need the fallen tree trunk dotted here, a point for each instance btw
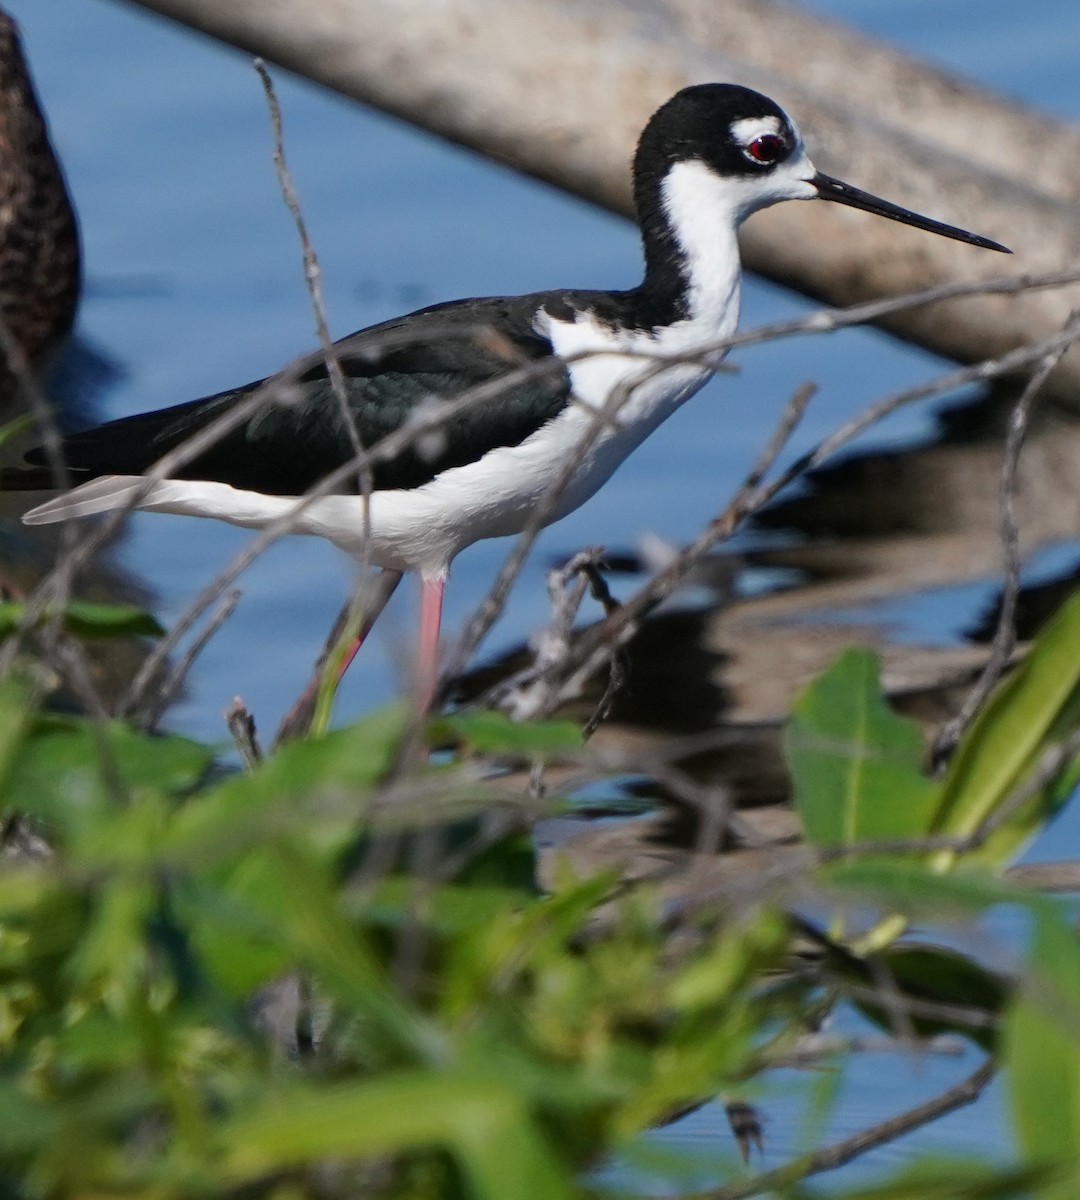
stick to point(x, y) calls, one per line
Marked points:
point(560, 89)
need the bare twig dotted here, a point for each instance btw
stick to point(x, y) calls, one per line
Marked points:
point(752, 499)
point(828, 320)
point(54, 588)
point(528, 692)
point(426, 422)
point(313, 280)
point(31, 392)
point(829, 1158)
point(589, 568)
point(242, 727)
point(894, 1002)
point(1046, 877)
point(578, 669)
point(488, 611)
point(815, 1047)
point(167, 690)
point(67, 656)
point(431, 419)
point(1004, 640)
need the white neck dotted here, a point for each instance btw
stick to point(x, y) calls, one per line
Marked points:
point(704, 212)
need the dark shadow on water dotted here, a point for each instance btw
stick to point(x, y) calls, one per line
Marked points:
point(875, 529)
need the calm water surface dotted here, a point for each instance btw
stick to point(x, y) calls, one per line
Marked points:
point(194, 284)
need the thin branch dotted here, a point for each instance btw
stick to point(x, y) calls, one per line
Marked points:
point(1004, 640)
point(167, 690)
point(491, 607)
point(577, 671)
point(241, 725)
point(829, 1158)
point(910, 1008)
point(828, 320)
point(813, 1048)
point(313, 280)
point(566, 588)
point(279, 388)
point(1045, 877)
point(429, 420)
point(750, 501)
point(425, 422)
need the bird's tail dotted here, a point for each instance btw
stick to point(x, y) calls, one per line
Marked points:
point(98, 496)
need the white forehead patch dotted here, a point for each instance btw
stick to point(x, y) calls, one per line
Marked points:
point(748, 129)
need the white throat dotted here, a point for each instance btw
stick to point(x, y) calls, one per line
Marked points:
point(704, 212)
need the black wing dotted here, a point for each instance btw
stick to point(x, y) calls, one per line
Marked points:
point(284, 448)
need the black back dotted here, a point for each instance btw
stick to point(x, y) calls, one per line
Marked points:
point(299, 436)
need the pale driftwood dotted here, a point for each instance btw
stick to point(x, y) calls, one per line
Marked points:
point(560, 88)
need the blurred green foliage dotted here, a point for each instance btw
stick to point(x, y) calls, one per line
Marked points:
point(331, 977)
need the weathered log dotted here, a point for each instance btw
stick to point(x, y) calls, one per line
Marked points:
point(560, 89)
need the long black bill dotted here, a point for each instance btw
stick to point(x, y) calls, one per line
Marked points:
point(843, 193)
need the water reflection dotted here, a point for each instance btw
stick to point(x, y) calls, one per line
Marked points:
point(863, 543)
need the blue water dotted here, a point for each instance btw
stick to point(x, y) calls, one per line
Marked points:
point(194, 283)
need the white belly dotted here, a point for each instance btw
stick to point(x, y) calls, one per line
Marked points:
point(498, 496)
point(423, 528)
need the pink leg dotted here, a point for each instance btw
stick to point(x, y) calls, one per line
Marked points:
point(427, 657)
point(352, 652)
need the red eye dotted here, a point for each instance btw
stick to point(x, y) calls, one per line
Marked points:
point(768, 149)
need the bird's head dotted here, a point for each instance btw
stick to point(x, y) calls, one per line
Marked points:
point(732, 149)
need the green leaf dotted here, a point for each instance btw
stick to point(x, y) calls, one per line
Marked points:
point(321, 937)
point(15, 427)
point(916, 889)
point(856, 765)
point(26, 1122)
point(1042, 1048)
point(111, 958)
point(483, 1124)
point(937, 975)
point(493, 733)
point(18, 709)
point(232, 926)
point(330, 775)
point(509, 863)
point(1036, 705)
point(87, 620)
point(71, 771)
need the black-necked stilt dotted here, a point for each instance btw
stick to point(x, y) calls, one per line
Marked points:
point(708, 158)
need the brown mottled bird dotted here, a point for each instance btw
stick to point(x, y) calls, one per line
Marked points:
point(39, 237)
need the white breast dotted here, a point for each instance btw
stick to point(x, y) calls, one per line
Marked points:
point(426, 527)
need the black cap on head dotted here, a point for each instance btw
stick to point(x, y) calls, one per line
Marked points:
point(697, 123)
